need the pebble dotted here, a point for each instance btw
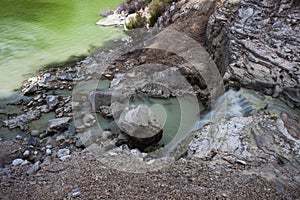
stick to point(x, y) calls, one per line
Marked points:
point(60, 138)
point(34, 168)
point(35, 133)
point(48, 152)
point(63, 152)
point(17, 162)
point(75, 193)
point(26, 162)
point(65, 158)
point(18, 137)
point(47, 161)
point(26, 154)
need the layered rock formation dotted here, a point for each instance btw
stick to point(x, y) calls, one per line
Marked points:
point(256, 43)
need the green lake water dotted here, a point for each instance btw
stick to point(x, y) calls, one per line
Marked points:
point(34, 33)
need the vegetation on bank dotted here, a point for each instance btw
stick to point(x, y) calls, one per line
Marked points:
point(155, 9)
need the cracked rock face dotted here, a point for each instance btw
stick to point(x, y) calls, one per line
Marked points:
point(270, 143)
point(256, 43)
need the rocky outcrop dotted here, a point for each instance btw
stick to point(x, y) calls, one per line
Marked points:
point(256, 44)
point(153, 80)
point(142, 126)
point(268, 142)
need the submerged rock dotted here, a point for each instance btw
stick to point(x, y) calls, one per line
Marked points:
point(21, 120)
point(142, 126)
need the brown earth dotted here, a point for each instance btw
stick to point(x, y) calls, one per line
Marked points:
point(184, 179)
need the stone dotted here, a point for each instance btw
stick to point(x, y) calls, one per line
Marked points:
point(100, 97)
point(34, 168)
point(30, 90)
point(63, 152)
point(26, 154)
point(267, 64)
point(88, 120)
point(233, 136)
point(59, 124)
point(65, 158)
point(107, 135)
point(141, 125)
point(48, 152)
point(112, 20)
point(65, 77)
point(75, 193)
point(47, 161)
point(21, 120)
point(17, 162)
point(26, 162)
point(52, 101)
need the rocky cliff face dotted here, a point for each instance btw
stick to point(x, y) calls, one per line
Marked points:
point(256, 43)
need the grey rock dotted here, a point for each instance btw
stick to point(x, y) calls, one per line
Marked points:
point(100, 97)
point(17, 162)
point(142, 126)
point(21, 120)
point(30, 90)
point(65, 77)
point(26, 162)
point(48, 152)
point(268, 64)
point(58, 125)
point(52, 101)
point(88, 120)
point(34, 168)
point(65, 158)
point(47, 161)
point(26, 154)
point(255, 138)
point(75, 193)
point(63, 152)
point(107, 135)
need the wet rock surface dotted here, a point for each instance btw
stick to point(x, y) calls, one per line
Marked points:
point(256, 43)
point(142, 126)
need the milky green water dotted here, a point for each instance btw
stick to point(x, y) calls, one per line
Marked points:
point(34, 33)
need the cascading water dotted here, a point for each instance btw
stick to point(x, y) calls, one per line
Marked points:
point(232, 104)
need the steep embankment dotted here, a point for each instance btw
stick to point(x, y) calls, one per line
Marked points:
point(256, 43)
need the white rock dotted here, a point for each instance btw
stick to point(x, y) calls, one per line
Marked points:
point(65, 158)
point(48, 152)
point(34, 168)
point(17, 162)
point(26, 162)
point(63, 152)
point(26, 154)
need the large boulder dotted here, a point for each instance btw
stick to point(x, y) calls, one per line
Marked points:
point(141, 125)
